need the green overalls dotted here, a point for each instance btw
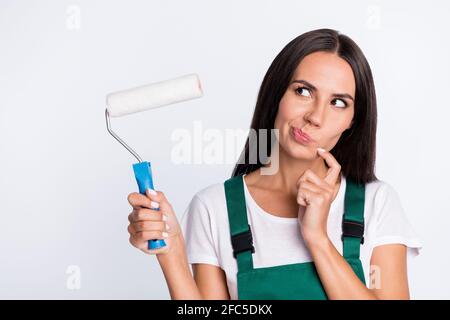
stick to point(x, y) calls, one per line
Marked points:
point(291, 281)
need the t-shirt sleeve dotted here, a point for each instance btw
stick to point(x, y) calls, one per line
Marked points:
point(392, 224)
point(197, 231)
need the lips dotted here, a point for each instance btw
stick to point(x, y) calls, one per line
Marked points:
point(298, 132)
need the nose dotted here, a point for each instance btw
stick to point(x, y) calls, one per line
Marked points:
point(316, 114)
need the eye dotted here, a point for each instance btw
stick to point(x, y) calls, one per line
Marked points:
point(339, 103)
point(303, 92)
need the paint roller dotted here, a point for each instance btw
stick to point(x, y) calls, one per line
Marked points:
point(143, 98)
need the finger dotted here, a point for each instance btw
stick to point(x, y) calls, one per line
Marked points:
point(131, 230)
point(301, 201)
point(335, 167)
point(149, 226)
point(149, 235)
point(143, 245)
point(160, 198)
point(155, 195)
point(310, 186)
point(145, 214)
point(310, 176)
point(306, 197)
point(138, 201)
point(133, 241)
point(134, 228)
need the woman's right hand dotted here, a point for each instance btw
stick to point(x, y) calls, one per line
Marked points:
point(148, 224)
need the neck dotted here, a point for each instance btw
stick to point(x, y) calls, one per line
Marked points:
point(291, 169)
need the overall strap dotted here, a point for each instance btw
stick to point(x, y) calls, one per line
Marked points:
point(241, 235)
point(353, 219)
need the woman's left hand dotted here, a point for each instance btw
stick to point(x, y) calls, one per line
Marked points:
point(317, 194)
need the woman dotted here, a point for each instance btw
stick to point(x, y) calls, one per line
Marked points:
point(322, 226)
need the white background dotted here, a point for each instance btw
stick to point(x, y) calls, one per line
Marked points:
point(64, 180)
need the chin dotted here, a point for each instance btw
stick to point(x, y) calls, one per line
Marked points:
point(298, 151)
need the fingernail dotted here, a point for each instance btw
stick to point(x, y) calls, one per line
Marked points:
point(321, 150)
point(151, 191)
point(164, 217)
point(167, 227)
point(154, 204)
point(165, 234)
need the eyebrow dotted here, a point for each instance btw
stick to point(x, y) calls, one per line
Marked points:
point(337, 95)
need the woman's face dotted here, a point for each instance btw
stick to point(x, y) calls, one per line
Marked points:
point(319, 101)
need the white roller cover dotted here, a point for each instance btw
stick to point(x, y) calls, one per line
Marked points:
point(154, 95)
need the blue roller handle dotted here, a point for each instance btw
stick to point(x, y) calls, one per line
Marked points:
point(143, 174)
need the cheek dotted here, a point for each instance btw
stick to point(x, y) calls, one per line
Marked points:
point(286, 113)
point(331, 137)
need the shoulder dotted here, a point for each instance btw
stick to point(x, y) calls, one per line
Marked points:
point(385, 210)
point(387, 220)
point(209, 200)
point(380, 192)
point(211, 194)
point(207, 208)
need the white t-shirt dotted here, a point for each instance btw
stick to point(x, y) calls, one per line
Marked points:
point(278, 240)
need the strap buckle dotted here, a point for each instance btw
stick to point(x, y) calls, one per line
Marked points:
point(353, 229)
point(242, 242)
